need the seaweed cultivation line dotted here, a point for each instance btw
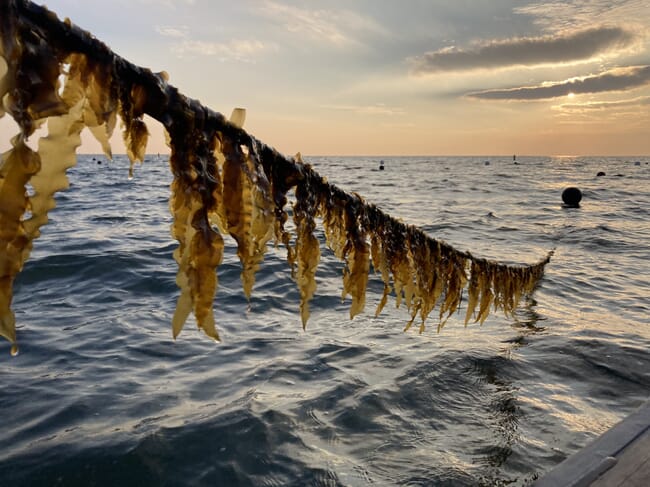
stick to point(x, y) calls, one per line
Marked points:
point(225, 182)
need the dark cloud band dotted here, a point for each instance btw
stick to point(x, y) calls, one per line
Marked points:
point(526, 51)
point(618, 79)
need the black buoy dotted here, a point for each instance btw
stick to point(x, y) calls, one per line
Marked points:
point(487, 163)
point(571, 197)
point(600, 173)
point(637, 163)
point(381, 165)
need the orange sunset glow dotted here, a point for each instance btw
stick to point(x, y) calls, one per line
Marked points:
point(392, 78)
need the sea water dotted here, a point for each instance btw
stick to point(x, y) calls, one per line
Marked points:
point(101, 395)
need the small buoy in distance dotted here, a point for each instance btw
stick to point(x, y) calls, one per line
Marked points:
point(571, 197)
point(381, 165)
point(600, 173)
point(637, 163)
point(487, 163)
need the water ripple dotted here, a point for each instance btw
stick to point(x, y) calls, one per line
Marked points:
point(102, 395)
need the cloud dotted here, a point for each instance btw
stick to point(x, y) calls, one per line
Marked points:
point(640, 101)
point(377, 109)
point(559, 15)
point(617, 79)
point(172, 4)
point(337, 27)
point(171, 31)
point(526, 51)
point(235, 50)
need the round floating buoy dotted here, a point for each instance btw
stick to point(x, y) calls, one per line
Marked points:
point(601, 173)
point(381, 165)
point(487, 163)
point(571, 197)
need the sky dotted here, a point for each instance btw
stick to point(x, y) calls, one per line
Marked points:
point(400, 77)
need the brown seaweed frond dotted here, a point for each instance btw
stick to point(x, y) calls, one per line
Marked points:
point(378, 252)
point(17, 167)
point(197, 195)
point(345, 232)
point(225, 181)
point(307, 247)
point(248, 207)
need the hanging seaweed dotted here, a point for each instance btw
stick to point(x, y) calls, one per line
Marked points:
point(225, 182)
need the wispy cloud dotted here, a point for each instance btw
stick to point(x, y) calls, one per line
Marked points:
point(638, 102)
point(172, 4)
point(618, 79)
point(377, 109)
point(241, 50)
point(176, 32)
point(559, 15)
point(526, 51)
point(234, 50)
point(337, 27)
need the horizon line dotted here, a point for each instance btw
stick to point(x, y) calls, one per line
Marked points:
point(408, 155)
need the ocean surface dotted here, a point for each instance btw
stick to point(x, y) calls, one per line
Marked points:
point(101, 395)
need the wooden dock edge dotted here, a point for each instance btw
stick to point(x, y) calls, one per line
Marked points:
point(625, 444)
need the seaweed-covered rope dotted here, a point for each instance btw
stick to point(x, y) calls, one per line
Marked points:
point(225, 181)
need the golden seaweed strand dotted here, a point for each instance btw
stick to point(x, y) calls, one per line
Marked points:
point(27, 93)
point(307, 246)
point(357, 254)
point(16, 168)
point(196, 193)
point(376, 229)
point(282, 177)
